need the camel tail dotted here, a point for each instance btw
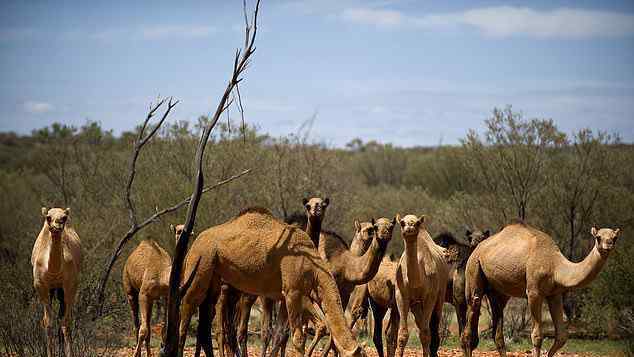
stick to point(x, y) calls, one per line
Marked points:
point(190, 279)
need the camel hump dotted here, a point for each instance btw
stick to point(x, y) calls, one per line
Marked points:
point(255, 209)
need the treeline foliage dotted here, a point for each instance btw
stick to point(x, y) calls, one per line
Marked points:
point(560, 182)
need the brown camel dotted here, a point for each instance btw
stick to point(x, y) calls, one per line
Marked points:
point(260, 255)
point(315, 212)
point(521, 261)
point(56, 260)
point(146, 275)
point(458, 253)
point(421, 281)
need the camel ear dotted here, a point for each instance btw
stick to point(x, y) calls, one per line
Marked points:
point(67, 211)
point(422, 219)
point(326, 202)
point(593, 231)
point(304, 201)
point(44, 211)
point(617, 231)
point(172, 228)
point(468, 233)
point(398, 218)
point(357, 226)
point(394, 220)
point(373, 221)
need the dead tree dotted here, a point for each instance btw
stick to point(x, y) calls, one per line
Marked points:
point(240, 64)
point(135, 224)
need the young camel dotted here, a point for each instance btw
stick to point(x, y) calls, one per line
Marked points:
point(260, 255)
point(459, 252)
point(421, 281)
point(146, 275)
point(56, 260)
point(521, 261)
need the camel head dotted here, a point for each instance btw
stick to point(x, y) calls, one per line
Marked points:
point(177, 230)
point(55, 219)
point(410, 224)
point(384, 227)
point(476, 237)
point(605, 238)
point(364, 231)
point(315, 208)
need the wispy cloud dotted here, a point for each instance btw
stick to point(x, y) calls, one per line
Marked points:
point(506, 21)
point(35, 107)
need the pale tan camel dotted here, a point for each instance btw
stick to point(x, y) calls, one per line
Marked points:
point(521, 261)
point(421, 281)
point(146, 275)
point(458, 252)
point(56, 260)
point(260, 255)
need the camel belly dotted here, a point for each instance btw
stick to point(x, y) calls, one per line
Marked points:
point(255, 278)
point(506, 274)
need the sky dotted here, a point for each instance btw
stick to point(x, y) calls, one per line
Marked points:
point(407, 72)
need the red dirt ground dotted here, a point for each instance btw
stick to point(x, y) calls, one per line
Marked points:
point(371, 352)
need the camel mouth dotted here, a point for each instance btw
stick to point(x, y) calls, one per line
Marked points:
point(54, 229)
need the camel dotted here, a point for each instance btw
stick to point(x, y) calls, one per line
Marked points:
point(379, 293)
point(356, 265)
point(56, 260)
point(521, 261)
point(421, 281)
point(260, 255)
point(315, 212)
point(459, 252)
point(146, 275)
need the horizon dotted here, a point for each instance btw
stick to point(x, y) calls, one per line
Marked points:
point(399, 72)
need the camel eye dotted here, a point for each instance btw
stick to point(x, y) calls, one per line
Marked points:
point(48, 219)
point(307, 207)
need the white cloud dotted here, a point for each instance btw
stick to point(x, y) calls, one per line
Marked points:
point(33, 107)
point(505, 21)
point(180, 31)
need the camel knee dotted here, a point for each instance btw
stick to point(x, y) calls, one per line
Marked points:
point(537, 338)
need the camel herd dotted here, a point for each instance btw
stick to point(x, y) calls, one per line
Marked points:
point(313, 277)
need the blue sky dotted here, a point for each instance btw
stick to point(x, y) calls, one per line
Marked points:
point(407, 72)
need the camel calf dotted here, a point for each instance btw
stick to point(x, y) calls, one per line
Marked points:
point(56, 260)
point(146, 277)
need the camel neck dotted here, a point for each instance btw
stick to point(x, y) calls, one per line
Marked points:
point(577, 275)
point(359, 245)
point(414, 270)
point(55, 254)
point(360, 269)
point(313, 228)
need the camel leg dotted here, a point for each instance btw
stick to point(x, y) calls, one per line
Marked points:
point(295, 316)
point(391, 331)
point(461, 316)
point(187, 310)
point(206, 314)
point(66, 302)
point(434, 326)
point(378, 312)
point(422, 316)
point(281, 331)
point(265, 323)
point(535, 305)
point(133, 301)
point(246, 303)
point(555, 305)
point(45, 299)
point(320, 331)
point(402, 303)
point(145, 304)
point(498, 302)
point(475, 293)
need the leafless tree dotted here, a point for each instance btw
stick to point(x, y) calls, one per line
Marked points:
point(240, 64)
